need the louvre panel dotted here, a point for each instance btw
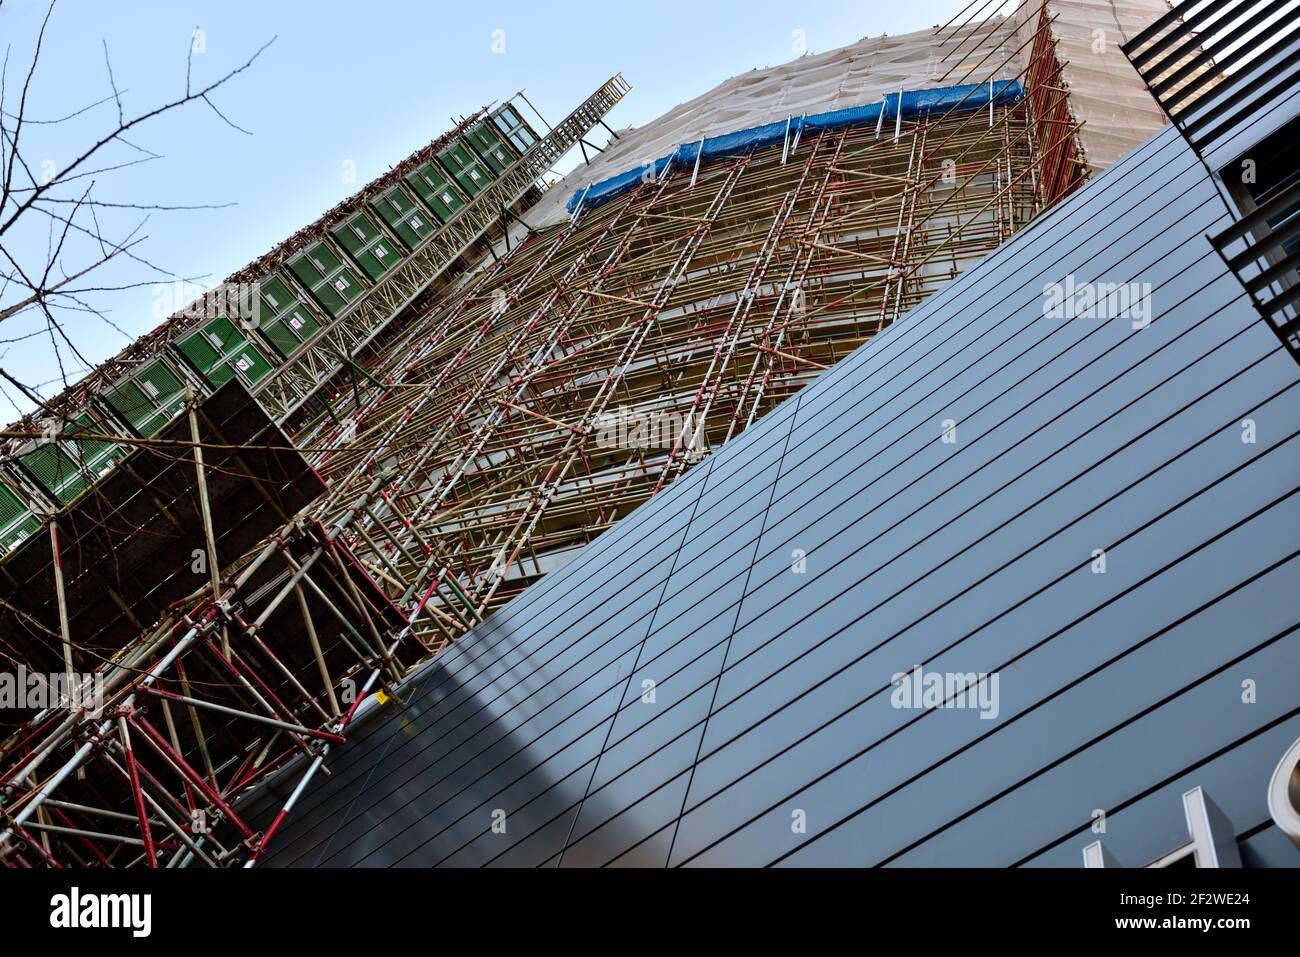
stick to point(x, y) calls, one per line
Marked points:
point(288, 332)
point(431, 185)
point(96, 454)
point(468, 171)
point(332, 283)
point(220, 350)
point(366, 244)
point(307, 272)
point(149, 400)
point(165, 383)
point(488, 144)
point(55, 471)
point(164, 414)
point(200, 352)
point(249, 362)
point(285, 320)
point(514, 128)
point(130, 401)
point(412, 223)
point(67, 466)
point(16, 520)
point(284, 341)
point(277, 298)
point(219, 375)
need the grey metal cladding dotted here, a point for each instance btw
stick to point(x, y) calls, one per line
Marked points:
point(682, 694)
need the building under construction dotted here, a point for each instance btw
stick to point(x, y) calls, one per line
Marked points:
point(251, 529)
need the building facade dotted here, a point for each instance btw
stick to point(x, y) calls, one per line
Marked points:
point(861, 475)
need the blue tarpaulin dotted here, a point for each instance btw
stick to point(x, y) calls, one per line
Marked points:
point(960, 99)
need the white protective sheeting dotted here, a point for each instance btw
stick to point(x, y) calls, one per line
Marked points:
point(1105, 91)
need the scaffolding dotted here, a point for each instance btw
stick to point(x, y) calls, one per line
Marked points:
point(443, 463)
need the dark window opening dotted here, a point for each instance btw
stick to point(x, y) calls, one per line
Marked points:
point(1266, 172)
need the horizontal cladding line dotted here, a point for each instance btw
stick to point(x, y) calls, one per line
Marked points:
point(1093, 510)
point(675, 778)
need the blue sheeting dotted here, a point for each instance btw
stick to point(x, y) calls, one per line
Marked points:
point(961, 99)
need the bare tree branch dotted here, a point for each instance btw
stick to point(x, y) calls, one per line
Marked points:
point(77, 243)
point(62, 119)
point(117, 97)
point(22, 100)
point(99, 144)
point(223, 116)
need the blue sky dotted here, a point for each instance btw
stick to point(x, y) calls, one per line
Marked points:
point(366, 82)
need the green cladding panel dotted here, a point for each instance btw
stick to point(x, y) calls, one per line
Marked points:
point(404, 216)
point(68, 466)
point(285, 320)
point(430, 184)
point(366, 243)
point(489, 144)
point(16, 521)
point(513, 127)
point(330, 281)
point(468, 171)
point(149, 399)
point(220, 351)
